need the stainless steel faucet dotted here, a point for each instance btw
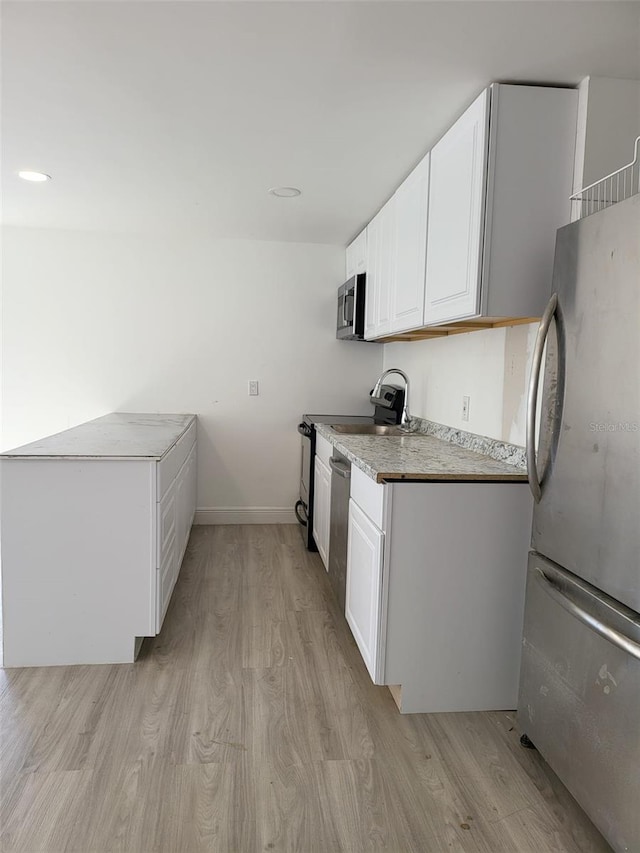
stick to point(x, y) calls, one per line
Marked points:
point(405, 420)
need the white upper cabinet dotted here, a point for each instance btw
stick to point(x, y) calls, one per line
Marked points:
point(411, 204)
point(356, 256)
point(456, 215)
point(499, 189)
point(386, 279)
point(373, 275)
point(381, 244)
point(471, 232)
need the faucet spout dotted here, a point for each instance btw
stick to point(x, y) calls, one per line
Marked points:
point(405, 419)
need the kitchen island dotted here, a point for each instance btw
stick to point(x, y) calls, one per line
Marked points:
point(438, 536)
point(95, 522)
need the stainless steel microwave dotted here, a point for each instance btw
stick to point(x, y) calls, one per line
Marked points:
point(351, 308)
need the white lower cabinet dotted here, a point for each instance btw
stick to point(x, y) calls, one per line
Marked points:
point(435, 590)
point(322, 509)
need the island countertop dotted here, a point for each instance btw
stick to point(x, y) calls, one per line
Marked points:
point(419, 457)
point(119, 435)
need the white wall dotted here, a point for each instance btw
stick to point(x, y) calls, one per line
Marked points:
point(609, 123)
point(491, 367)
point(98, 323)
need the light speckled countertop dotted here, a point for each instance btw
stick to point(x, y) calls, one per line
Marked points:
point(420, 456)
point(119, 435)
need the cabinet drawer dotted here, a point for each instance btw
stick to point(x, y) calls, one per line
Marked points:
point(370, 496)
point(324, 449)
point(166, 513)
point(173, 460)
point(166, 575)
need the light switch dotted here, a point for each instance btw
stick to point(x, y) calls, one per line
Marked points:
point(253, 388)
point(465, 408)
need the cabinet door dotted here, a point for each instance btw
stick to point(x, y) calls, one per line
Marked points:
point(411, 203)
point(381, 247)
point(373, 275)
point(456, 217)
point(387, 268)
point(350, 262)
point(356, 255)
point(363, 608)
point(360, 252)
point(322, 509)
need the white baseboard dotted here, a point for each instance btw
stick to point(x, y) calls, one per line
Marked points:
point(245, 515)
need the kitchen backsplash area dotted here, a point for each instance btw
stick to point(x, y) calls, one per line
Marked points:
point(490, 367)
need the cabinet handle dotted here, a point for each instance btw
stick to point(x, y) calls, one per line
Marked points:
point(532, 398)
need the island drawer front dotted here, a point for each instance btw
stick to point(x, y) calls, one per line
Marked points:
point(172, 462)
point(166, 524)
point(166, 579)
point(369, 495)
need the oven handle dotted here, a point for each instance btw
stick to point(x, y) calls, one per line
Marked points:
point(300, 505)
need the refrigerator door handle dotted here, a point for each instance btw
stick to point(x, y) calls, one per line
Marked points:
point(616, 637)
point(532, 397)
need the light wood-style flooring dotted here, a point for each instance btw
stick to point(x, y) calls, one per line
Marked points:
point(251, 724)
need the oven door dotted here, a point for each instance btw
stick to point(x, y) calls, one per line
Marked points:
point(302, 508)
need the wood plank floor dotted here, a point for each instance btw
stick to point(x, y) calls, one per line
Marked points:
point(251, 724)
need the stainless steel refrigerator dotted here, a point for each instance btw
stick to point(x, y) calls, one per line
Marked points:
point(579, 697)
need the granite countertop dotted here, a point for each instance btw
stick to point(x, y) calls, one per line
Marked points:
point(422, 455)
point(119, 435)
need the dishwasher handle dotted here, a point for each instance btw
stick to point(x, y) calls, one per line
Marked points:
point(340, 468)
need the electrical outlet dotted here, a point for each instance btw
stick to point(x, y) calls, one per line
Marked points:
point(253, 388)
point(465, 408)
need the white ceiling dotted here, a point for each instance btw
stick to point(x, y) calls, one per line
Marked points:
point(178, 116)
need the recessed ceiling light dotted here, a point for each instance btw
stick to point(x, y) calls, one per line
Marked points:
point(285, 192)
point(36, 177)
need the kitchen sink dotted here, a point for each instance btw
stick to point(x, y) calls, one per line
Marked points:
point(369, 429)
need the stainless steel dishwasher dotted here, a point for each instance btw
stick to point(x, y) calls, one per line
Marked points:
point(340, 485)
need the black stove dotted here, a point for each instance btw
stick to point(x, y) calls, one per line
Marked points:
point(307, 429)
point(388, 409)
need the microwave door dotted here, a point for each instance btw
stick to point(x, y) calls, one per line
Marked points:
point(344, 326)
point(348, 308)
